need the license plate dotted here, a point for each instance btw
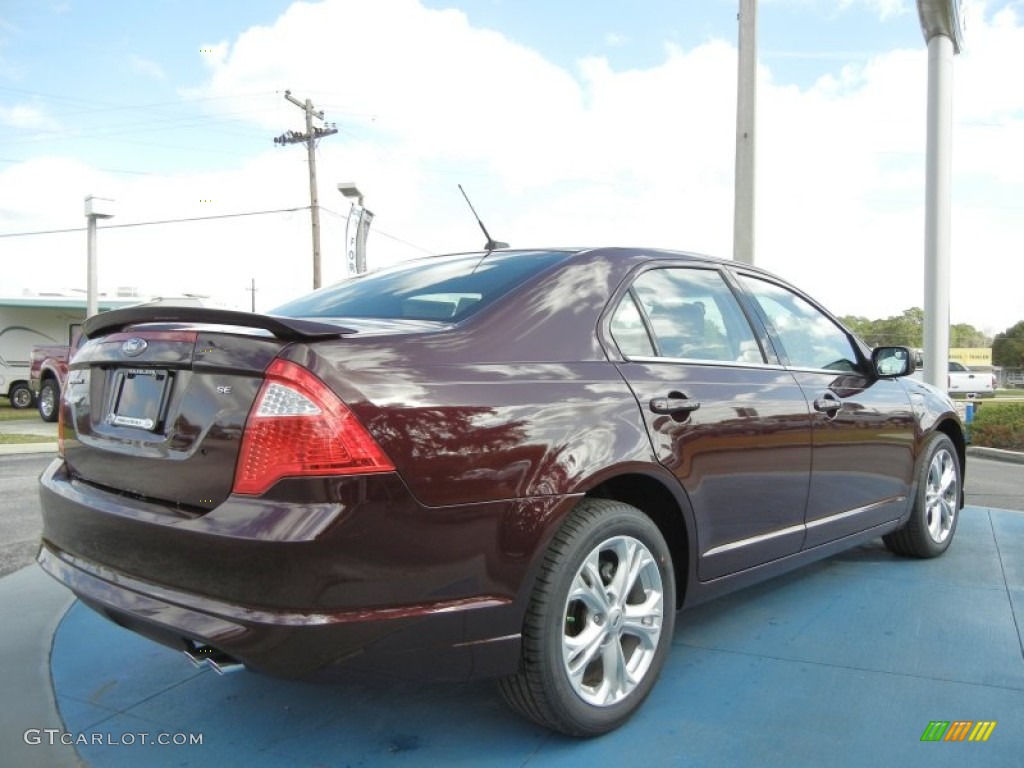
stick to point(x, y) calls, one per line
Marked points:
point(139, 396)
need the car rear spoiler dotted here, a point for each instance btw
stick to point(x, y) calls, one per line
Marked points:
point(285, 328)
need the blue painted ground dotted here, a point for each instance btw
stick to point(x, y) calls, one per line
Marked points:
point(843, 663)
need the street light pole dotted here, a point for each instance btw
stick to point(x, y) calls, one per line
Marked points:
point(95, 208)
point(940, 25)
point(746, 122)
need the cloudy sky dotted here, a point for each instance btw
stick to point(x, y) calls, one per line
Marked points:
point(575, 122)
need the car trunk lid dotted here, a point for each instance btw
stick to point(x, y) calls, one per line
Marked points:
point(168, 391)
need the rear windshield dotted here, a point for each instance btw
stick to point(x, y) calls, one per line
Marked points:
point(448, 288)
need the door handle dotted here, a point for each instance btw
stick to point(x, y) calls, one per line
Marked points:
point(671, 405)
point(827, 403)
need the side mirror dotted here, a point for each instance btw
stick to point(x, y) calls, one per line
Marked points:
point(892, 361)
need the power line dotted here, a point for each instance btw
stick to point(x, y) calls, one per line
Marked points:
point(95, 106)
point(207, 218)
point(381, 232)
point(105, 170)
point(151, 223)
point(169, 119)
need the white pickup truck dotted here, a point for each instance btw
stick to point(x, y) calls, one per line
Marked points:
point(965, 382)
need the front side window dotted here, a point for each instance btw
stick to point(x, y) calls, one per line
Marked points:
point(692, 314)
point(809, 337)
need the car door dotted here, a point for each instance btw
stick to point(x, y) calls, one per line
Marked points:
point(724, 417)
point(862, 427)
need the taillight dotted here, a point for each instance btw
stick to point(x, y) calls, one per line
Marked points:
point(299, 427)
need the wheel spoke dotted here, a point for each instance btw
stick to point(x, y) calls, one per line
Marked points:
point(587, 586)
point(617, 679)
point(639, 562)
point(948, 511)
point(581, 650)
point(644, 621)
point(948, 480)
point(626, 551)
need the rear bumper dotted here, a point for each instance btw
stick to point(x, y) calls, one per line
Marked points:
point(363, 576)
point(417, 642)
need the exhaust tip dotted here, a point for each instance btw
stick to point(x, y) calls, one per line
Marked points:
point(205, 656)
point(194, 660)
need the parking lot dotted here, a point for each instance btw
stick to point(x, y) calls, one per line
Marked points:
point(845, 662)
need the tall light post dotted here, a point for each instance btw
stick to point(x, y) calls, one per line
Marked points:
point(940, 25)
point(746, 123)
point(355, 233)
point(95, 208)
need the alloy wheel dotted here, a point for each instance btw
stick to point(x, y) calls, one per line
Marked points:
point(941, 495)
point(613, 620)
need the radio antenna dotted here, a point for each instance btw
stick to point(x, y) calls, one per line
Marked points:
point(492, 244)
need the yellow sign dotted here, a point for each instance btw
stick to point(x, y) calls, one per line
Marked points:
point(970, 356)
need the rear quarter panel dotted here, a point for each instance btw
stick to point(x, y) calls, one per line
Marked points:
point(518, 401)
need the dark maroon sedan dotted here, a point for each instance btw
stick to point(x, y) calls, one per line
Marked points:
point(512, 464)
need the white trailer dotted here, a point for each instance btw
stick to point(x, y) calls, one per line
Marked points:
point(27, 321)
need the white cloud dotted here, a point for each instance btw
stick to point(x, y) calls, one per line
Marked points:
point(147, 67)
point(214, 55)
point(25, 116)
point(884, 8)
point(552, 156)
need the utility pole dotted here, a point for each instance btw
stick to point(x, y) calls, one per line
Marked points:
point(309, 139)
point(746, 123)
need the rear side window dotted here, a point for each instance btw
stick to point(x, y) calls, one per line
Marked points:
point(447, 288)
point(692, 314)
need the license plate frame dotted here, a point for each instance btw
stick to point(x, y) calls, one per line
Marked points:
point(139, 398)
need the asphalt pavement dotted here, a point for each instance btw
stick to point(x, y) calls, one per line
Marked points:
point(20, 521)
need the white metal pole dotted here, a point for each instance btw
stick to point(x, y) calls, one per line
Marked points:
point(746, 121)
point(938, 189)
point(92, 297)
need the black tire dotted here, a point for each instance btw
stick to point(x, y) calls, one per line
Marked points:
point(49, 401)
point(20, 396)
point(936, 507)
point(567, 613)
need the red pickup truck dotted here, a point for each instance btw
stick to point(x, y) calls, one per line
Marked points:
point(49, 365)
point(47, 373)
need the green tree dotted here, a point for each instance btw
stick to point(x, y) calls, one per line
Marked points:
point(904, 330)
point(907, 330)
point(1008, 347)
point(859, 325)
point(966, 335)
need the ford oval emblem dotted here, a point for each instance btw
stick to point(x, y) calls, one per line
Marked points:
point(134, 347)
